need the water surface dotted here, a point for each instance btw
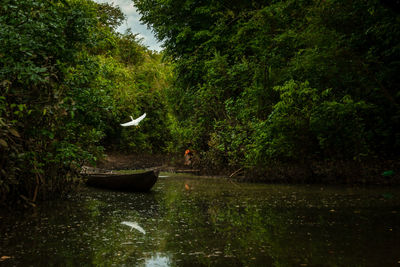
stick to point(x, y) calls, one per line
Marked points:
point(194, 221)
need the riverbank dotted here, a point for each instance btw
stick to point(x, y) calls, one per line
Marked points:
point(121, 161)
point(372, 172)
point(378, 172)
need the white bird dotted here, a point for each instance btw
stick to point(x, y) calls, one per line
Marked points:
point(134, 121)
point(134, 225)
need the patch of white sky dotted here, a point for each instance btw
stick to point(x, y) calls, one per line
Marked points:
point(133, 22)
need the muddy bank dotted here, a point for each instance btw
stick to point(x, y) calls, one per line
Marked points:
point(118, 161)
point(372, 172)
point(383, 172)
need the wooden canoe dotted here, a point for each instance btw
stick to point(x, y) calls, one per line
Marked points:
point(138, 182)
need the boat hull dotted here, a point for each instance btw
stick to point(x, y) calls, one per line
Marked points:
point(136, 182)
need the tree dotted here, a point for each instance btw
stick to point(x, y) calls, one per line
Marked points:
point(60, 79)
point(232, 58)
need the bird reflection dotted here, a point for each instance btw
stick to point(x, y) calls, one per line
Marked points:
point(134, 225)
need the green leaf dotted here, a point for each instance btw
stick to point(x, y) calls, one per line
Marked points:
point(388, 173)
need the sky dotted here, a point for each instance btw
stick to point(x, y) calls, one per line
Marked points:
point(133, 22)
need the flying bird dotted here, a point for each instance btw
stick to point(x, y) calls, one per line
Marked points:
point(134, 225)
point(134, 122)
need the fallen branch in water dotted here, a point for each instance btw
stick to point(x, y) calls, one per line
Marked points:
point(236, 172)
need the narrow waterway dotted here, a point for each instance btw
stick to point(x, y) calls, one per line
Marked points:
point(195, 221)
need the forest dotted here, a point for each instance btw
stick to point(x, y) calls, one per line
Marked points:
point(279, 91)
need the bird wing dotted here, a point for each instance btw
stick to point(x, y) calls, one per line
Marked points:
point(136, 121)
point(128, 123)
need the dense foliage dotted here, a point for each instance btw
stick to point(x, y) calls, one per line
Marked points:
point(261, 82)
point(67, 79)
point(255, 84)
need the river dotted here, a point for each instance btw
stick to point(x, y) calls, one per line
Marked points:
point(197, 221)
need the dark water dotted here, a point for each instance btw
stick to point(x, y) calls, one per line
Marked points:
point(191, 221)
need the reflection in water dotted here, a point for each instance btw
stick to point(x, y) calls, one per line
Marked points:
point(157, 260)
point(134, 225)
point(200, 221)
